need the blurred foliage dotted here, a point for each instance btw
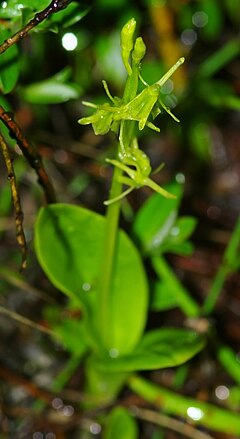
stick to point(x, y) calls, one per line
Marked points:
point(45, 94)
point(203, 31)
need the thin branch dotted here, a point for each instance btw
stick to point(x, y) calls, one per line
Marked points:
point(14, 278)
point(55, 6)
point(16, 201)
point(29, 153)
point(170, 423)
point(25, 321)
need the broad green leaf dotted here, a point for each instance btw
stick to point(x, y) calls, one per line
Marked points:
point(120, 425)
point(69, 243)
point(158, 349)
point(9, 64)
point(50, 92)
point(155, 219)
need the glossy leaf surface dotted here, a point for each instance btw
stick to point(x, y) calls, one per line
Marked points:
point(69, 243)
point(158, 349)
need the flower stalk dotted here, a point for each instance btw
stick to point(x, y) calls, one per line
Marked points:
point(135, 110)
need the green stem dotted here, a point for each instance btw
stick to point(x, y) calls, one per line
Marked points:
point(64, 376)
point(184, 300)
point(208, 415)
point(230, 263)
point(112, 217)
point(109, 258)
point(228, 358)
point(215, 290)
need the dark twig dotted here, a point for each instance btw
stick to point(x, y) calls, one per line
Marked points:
point(16, 201)
point(25, 321)
point(29, 153)
point(171, 423)
point(55, 6)
point(17, 280)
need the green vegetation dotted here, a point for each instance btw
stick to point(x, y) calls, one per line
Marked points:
point(126, 306)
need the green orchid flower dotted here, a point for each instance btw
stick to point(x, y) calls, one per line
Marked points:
point(120, 115)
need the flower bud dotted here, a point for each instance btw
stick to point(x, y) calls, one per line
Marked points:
point(127, 33)
point(139, 50)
